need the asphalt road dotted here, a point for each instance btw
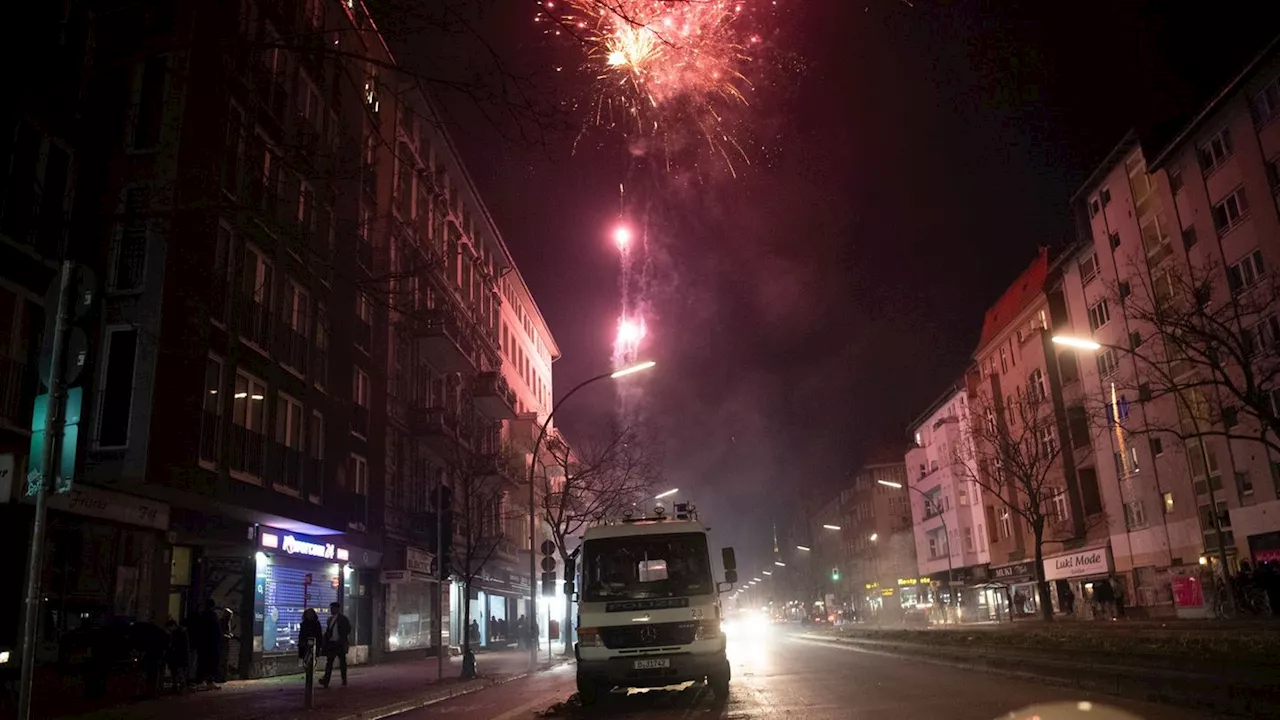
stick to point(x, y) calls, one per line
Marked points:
point(781, 676)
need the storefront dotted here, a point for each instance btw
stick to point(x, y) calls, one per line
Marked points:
point(293, 572)
point(499, 598)
point(413, 601)
point(1011, 587)
point(106, 562)
point(1075, 575)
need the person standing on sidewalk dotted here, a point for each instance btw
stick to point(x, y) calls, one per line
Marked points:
point(208, 641)
point(310, 630)
point(337, 638)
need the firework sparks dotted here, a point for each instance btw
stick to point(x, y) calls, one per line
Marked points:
point(663, 62)
point(631, 331)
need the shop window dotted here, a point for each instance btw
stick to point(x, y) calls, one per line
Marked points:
point(290, 587)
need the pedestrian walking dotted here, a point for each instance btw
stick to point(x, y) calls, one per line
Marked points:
point(337, 639)
point(310, 634)
point(208, 643)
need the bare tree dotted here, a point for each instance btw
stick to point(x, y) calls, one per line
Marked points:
point(1214, 350)
point(1013, 454)
point(597, 478)
point(479, 476)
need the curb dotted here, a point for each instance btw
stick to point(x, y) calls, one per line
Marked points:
point(1221, 694)
point(404, 706)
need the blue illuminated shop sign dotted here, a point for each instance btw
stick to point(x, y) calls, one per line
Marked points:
point(301, 545)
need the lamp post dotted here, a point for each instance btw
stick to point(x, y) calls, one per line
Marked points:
point(533, 520)
point(930, 504)
point(1090, 345)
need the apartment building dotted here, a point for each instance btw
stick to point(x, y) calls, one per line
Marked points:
point(880, 568)
point(946, 504)
point(299, 335)
point(1181, 232)
point(1030, 449)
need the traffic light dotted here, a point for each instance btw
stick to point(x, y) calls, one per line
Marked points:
point(835, 574)
point(443, 501)
point(548, 568)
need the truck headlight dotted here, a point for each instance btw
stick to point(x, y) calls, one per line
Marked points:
point(708, 630)
point(589, 637)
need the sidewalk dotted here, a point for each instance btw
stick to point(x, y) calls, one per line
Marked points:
point(374, 691)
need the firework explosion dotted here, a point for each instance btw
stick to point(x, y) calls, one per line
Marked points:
point(661, 64)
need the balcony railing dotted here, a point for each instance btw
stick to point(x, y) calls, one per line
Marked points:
point(255, 321)
point(360, 420)
point(494, 397)
point(210, 435)
point(446, 344)
point(247, 451)
point(357, 507)
point(294, 348)
point(443, 429)
point(285, 467)
point(313, 478)
point(13, 382)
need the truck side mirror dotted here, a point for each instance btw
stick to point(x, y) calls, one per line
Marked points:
point(731, 576)
point(726, 557)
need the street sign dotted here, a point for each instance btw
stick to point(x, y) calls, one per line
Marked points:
point(548, 564)
point(548, 584)
point(548, 547)
point(65, 464)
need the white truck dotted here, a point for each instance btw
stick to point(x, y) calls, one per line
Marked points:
point(649, 608)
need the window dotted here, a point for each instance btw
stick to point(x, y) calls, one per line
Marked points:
point(1060, 506)
point(256, 280)
point(1273, 174)
point(314, 473)
point(1231, 211)
point(295, 312)
point(221, 281)
point(1004, 360)
point(248, 425)
point(148, 104)
point(1175, 181)
point(1214, 152)
point(1266, 104)
point(360, 396)
point(1006, 524)
point(211, 412)
point(1035, 386)
point(1094, 207)
point(1264, 336)
point(358, 475)
point(321, 374)
point(1089, 268)
point(1108, 363)
point(129, 251)
point(1196, 457)
point(1134, 514)
point(968, 539)
point(1048, 441)
point(1155, 239)
point(1246, 273)
point(1090, 496)
point(1244, 484)
point(288, 422)
point(1099, 315)
point(364, 321)
point(1127, 462)
point(1168, 503)
point(115, 399)
point(1105, 196)
point(1139, 181)
point(1115, 240)
point(1157, 447)
point(233, 151)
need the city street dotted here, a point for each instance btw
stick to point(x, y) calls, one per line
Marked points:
point(782, 675)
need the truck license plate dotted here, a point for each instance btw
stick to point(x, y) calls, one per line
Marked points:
point(651, 663)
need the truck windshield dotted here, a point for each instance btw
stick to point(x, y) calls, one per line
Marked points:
point(646, 566)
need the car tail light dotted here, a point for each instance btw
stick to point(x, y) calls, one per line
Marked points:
point(708, 630)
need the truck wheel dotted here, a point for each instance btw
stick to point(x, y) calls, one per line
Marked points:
point(719, 683)
point(589, 692)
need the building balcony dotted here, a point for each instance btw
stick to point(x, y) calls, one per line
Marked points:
point(293, 348)
point(441, 429)
point(494, 397)
point(247, 451)
point(255, 321)
point(15, 405)
point(500, 468)
point(284, 468)
point(354, 509)
point(446, 344)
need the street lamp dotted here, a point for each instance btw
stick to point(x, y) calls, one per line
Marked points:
point(1093, 346)
point(874, 536)
point(533, 520)
point(831, 527)
point(802, 547)
point(670, 492)
point(765, 572)
point(931, 505)
point(779, 563)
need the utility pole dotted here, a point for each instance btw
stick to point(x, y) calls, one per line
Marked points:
point(40, 481)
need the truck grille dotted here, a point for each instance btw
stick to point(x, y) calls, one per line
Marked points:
point(649, 635)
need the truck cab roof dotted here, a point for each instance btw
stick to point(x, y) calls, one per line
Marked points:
point(648, 526)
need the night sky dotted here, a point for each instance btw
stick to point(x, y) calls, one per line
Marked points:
point(912, 159)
